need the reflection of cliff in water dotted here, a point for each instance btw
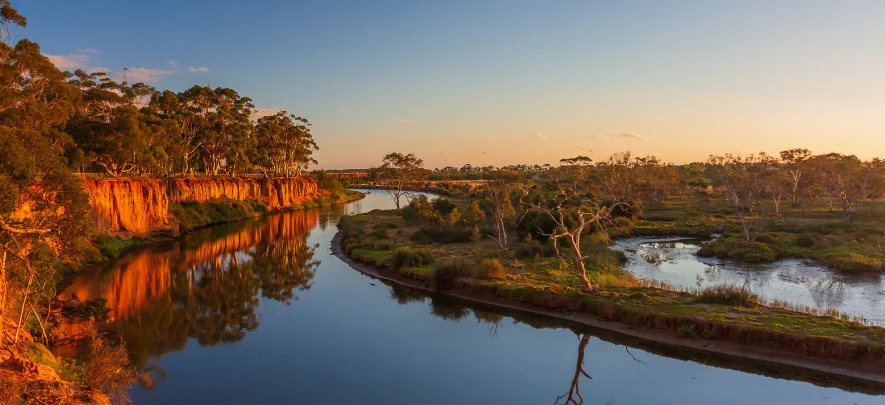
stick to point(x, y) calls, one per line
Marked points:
point(206, 286)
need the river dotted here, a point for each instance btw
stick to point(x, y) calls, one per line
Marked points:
point(261, 312)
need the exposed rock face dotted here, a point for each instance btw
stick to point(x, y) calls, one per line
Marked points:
point(141, 207)
point(133, 207)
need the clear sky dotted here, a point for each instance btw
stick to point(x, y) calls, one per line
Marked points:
point(502, 82)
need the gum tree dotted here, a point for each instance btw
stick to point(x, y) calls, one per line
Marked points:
point(566, 199)
point(399, 174)
point(43, 208)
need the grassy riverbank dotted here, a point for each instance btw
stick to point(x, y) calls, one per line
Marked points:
point(530, 273)
point(813, 232)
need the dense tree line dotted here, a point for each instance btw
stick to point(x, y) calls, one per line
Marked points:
point(122, 129)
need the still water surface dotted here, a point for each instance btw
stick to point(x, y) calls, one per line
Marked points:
point(800, 282)
point(261, 312)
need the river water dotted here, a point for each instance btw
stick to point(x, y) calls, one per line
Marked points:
point(799, 282)
point(261, 312)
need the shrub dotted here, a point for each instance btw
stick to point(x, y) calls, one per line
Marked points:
point(422, 237)
point(407, 257)
point(12, 389)
point(379, 234)
point(533, 249)
point(382, 246)
point(807, 239)
point(443, 205)
point(491, 268)
point(765, 238)
point(110, 372)
point(442, 235)
point(445, 274)
point(421, 211)
point(687, 331)
point(728, 295)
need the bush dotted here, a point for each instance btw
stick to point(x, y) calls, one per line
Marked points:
point(443, 206)
point(807, 239)
point(110, 372)
point(421, 211)
point(491, 268)
point(442, 235)
point(12, 389)
point(407, 257)
point(533, 249)
point(445, 274)
point(765, 238)
point(728, 295)
point(687, 331)
point(111, 246)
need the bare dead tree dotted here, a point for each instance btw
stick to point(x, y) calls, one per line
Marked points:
point(498, 202)
point(574, 212)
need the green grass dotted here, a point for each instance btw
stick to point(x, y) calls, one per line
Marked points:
point(111, 246)
point(551, 282)
point(194, 214)
point(67, 369)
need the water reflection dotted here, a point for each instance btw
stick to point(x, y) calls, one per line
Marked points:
point(205, 286)
point(274, 311)
point(675, 262)
point(573, 396)
point(455, 310)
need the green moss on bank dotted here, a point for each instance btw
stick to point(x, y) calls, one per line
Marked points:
point(839, 251)
point(194, 214)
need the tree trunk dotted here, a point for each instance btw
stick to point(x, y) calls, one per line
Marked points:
point(579, 265)
point(846, 212)
point(21, 317)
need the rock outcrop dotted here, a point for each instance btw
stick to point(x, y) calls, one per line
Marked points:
point(125, 207)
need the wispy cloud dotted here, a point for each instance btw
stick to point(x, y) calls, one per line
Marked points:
point(493, 138)
point(77, 60)
point(340, 108)
point(171, 62)
point(542, 137)
point(83, 59)
point(627, 135)
point(198, 69)
point(147, 75)
point(405, 121)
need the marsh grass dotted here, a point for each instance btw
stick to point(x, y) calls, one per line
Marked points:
point(445, 274)
point(728, 295)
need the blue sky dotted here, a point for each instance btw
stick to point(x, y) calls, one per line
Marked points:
point(500, 82)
